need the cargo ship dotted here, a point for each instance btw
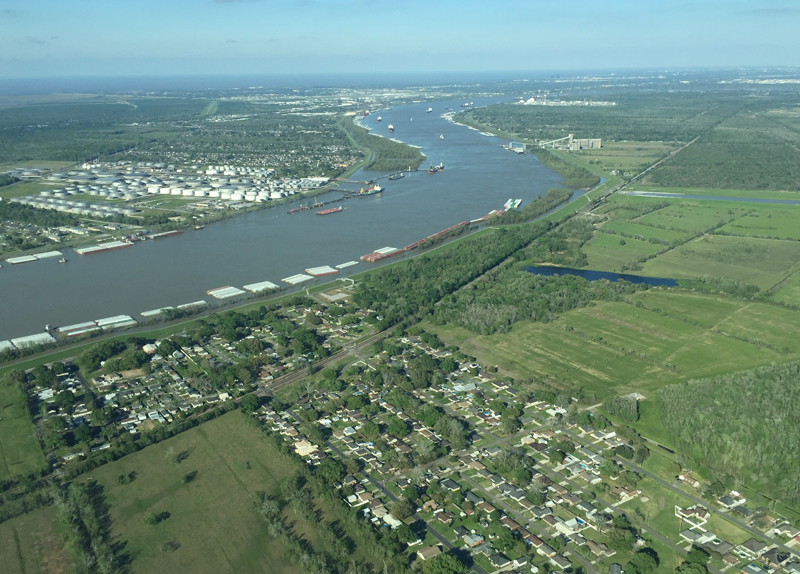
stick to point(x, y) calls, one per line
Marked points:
point(329, 211)
point(391, 128)
point(435, 168)
point(371, 190)
point(165, 234)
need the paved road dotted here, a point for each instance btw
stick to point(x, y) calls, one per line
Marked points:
point(725, 515)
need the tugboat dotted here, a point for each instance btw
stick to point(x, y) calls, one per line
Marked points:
point(391, 128)
point(379, 119)
point(62, 260)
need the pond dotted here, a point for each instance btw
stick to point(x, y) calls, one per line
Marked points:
point(589, 275)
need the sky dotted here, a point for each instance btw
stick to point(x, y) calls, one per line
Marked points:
point(86, 38)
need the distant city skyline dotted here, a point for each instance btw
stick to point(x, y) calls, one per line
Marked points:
point(80, 38)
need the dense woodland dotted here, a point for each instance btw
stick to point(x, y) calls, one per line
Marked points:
point(505, 296)
point(575, 176)
point(41, 217)
point(744, 425)
point(400, 292)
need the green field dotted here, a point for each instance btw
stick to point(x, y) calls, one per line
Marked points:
point(20, 452)
point(211, 517)
point(779, 222)
point(29, 544)
point(615, 348)
point(26, 188)
point(713, 191)
point(761, 262)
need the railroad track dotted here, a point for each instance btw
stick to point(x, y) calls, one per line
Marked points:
point(300, 374)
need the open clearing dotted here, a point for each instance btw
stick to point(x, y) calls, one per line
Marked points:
point(30, 545)
point(20, 452)
point(211, 516)
point(615, 348)
point(761, 262)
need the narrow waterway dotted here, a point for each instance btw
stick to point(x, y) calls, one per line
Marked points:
point(479, 176)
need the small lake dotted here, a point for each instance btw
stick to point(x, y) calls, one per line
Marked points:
point(550, 271)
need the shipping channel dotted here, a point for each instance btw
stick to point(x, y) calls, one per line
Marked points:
point(270, 245)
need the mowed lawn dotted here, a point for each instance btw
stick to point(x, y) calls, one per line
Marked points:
point(615, 348)
point(211, 517)
point(30, 545)
point(20, 452)
point(760, 262)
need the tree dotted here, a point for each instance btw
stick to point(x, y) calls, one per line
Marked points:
point(556, 456)
point(643, 562)
point(402, 509)
point(83, 434)
point(444, 563)
point(249, 403)
point(370, 430)
point(698, 555)
point(504, 541)
point(330, 470)
point(397, 427)
point(621, 540)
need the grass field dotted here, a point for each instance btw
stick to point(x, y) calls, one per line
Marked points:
point(713, 191)
point(614, 348)
point(29, 544)
point(20, 452)
point(788, 291)
point(777, 221)
point(761, 262)
point(211, 517)
point(26, 188)
point(630, 157)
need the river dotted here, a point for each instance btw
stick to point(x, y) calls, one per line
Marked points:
point(269, 245)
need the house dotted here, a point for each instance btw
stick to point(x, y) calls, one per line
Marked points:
point(430, 505)
point(688, 480)
point(695, 511)
point(786, 529)
point(473, 540)
point(445, 517)
point(726, 501)
point(484, 548)
point(546, 551)
point(508, 523)
point(775, 558)
point(461, 532)
point(549, 520)
point(560, 562)
point(429, 552)
point(752, 548)
point(469, 496)
point(499, 560)
point(752, 569)
point(485, 507)
point(535, 541)
point(450, 485)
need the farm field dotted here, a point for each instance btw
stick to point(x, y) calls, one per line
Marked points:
point(761, 262)
point(20, 452)
point(606, 252)
point(616, 348)
point(29, 544)
point(211, 516)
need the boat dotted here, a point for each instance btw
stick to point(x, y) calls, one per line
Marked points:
point(435, 168)
point(370, 190)
point(199, 227)
point(396, 176)
point(62, 260)
point(441, 137)
point(391, 128)
point(379, 119)
point(429, 110)
point(329, 211)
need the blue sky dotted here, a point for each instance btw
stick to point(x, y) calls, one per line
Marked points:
point(42, 38)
